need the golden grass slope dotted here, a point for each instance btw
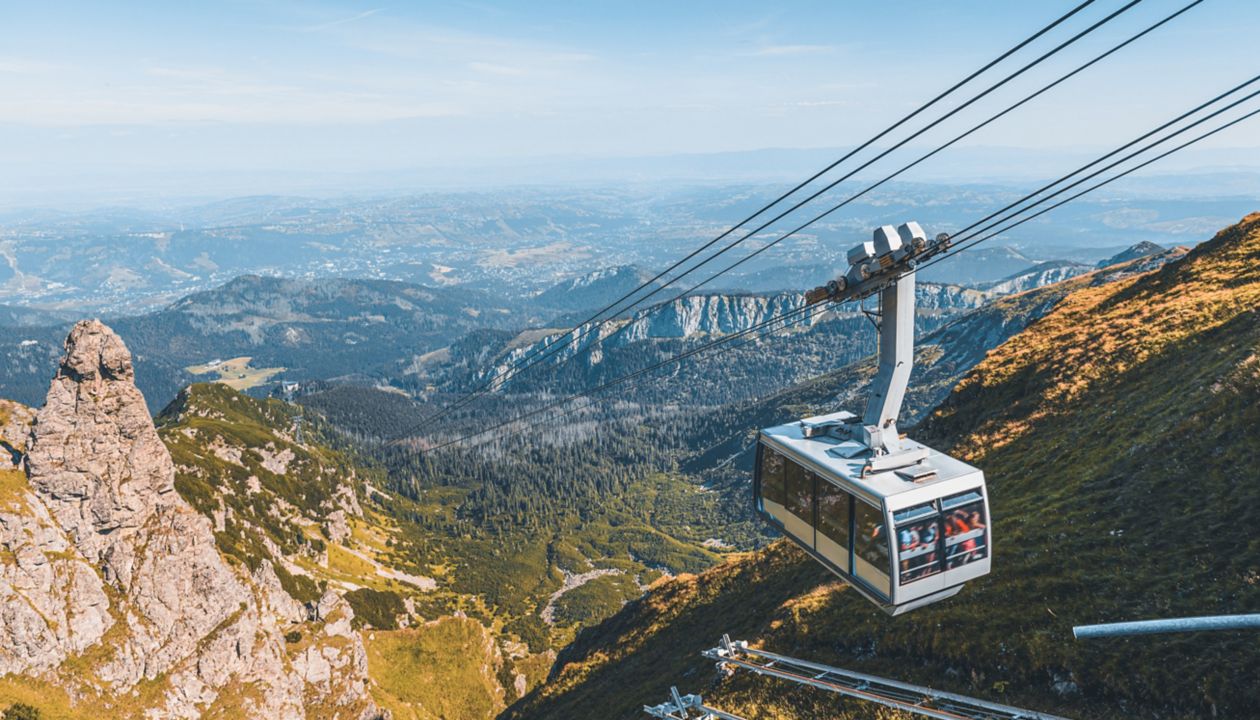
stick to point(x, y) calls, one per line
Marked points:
point(441, 670)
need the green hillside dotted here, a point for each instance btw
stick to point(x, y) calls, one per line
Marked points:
point(523, 552)
point(321, 517)
point(1120, 435)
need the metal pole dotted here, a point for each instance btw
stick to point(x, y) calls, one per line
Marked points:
point(1174, 625)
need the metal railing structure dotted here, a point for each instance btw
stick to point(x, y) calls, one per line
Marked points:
point(686, 707)
point(924, 701)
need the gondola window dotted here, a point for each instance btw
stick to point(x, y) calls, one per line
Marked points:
point(871, 545)
point(833, 524)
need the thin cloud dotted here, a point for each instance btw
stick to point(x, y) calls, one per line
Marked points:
point(820, 103)
point(342, 21)
point(571, 57)
point(791, 50)
point(294, 110)
point(497, 69)
point(17, 66)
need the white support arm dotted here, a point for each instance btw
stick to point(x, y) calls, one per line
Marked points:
point(896, 358)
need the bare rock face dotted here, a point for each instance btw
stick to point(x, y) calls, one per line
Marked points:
point(100, 519)
point(52, 601)
point(96, 461)
point(336, 526)
point(95, 457)
point(15, 425)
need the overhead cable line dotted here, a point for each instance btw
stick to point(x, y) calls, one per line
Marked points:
point(517, 367)
point(556, 347)
point(893, 175)
point(1101, 184)
point(961, 237)
point(789, 315)
point(962, 233)
point(928, 155)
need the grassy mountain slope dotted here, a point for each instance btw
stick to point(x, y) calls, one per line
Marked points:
point(1119, 435)
point(324, 521)
point(444, 560)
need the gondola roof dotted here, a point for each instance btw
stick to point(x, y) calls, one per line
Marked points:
point(847, 459)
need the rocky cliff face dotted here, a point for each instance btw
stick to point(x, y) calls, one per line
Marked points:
point(702, 315)
point(53, 601)
point(95, 459)
point(111, 585)
point(710, 315)
point(687, 317)
point(15, 424)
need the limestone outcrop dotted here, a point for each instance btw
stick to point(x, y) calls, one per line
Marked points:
point(104, 563)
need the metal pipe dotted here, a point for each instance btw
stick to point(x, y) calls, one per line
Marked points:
point(1174, 625)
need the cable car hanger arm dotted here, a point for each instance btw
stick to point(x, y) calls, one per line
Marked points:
point(884, 265)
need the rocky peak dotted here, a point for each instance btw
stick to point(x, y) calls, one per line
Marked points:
point(94, 455)
point(100, 558)
point(95, 352)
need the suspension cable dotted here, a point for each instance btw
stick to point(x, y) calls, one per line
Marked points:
point(550, 350)
point(1094, 187)
point(891, 176)
point(789, 315)
point(924, 157)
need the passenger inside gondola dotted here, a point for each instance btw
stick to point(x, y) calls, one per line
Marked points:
point(918, 550)
point(964, 536)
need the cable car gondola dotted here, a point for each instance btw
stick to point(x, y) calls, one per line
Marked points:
point(904, 524)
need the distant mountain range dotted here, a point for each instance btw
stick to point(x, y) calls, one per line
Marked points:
point(979, 265)
point(313, 329)
point(595, 290)
point(517, 243)
point(16, 316)
point(1141, 250)
point(1045, 273)
point(440, 339)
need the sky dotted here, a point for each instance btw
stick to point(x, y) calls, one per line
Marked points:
point(264, 95)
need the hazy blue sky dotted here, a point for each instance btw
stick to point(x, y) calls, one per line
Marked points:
point(124, 90)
